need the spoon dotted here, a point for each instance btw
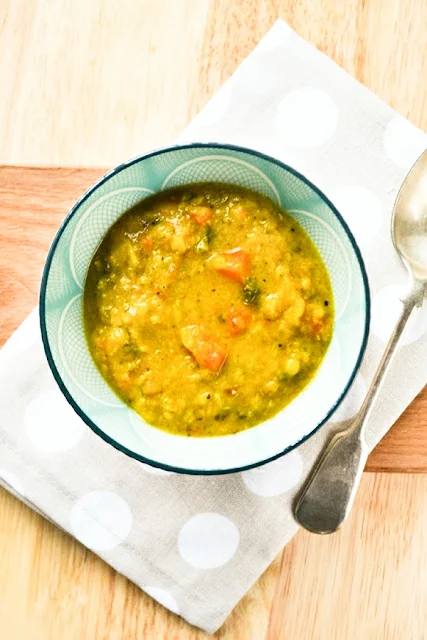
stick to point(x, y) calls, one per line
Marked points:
point(328, 495)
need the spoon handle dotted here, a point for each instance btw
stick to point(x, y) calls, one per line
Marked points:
point(328, 495)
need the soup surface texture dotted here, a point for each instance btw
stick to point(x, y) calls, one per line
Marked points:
point(207, 309)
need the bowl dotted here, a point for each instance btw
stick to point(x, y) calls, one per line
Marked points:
point(61, 312)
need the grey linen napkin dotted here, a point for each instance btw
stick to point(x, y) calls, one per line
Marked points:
point(196, 544)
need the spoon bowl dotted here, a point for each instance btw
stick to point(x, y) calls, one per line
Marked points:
point(409, 222)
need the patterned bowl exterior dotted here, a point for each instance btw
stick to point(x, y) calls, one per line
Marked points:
point(62, 291)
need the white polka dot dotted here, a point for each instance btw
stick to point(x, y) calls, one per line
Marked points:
point(155, 471)
point(208, 540)
point(361, 209)
point(215, 109)
point(163, 597)
point(101, 520)
point(51, 424)
point(386, 307)
point(403, 142)
point(352, 402)
point(306, 117)
point(12, 480)
point(276, 477)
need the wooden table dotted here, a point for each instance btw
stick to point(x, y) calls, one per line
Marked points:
point(93, 84)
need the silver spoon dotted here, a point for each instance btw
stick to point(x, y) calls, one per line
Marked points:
point(328, 495)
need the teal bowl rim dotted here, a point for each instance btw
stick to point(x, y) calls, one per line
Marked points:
point(42, 302)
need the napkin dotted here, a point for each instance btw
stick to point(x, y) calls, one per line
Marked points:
point(197, 544)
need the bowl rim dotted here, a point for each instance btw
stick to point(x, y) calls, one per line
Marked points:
point(46, 271)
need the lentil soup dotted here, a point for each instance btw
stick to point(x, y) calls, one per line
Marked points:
point(207, 309)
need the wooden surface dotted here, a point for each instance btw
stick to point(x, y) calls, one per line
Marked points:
point(93, 83)
point(34, 202)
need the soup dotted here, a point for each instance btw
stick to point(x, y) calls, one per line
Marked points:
point(207, 309)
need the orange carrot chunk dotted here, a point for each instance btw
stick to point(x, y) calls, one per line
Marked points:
point(146, 243)
point(238, 321)
point(202, 215)
point(234, 264)
point(205, 350)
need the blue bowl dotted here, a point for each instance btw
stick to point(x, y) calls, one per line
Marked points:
point(61, 303)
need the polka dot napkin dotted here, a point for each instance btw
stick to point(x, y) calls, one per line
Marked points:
point(196, 544)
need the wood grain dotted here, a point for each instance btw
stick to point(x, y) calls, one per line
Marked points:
point(333, 589)
point(33, 203)
point(96, 83)
point(403, 448)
